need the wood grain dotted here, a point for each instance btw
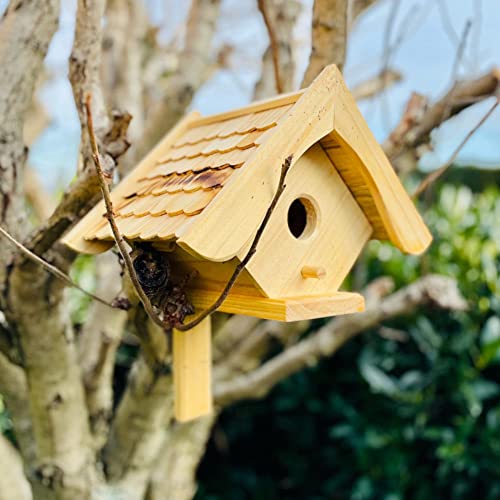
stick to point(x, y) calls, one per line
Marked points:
point(288, 309)
point(192, 371)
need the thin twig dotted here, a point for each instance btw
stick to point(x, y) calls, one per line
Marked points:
point(455, 70)
point(120, 242)
point(149, 308)
point(273, 44)
point(50, 268)
point(432, 177)
point(253, 248)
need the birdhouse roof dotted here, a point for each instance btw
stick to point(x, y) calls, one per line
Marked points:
point(208, 183)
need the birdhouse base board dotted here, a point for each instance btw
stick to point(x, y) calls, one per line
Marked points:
point(285, 309)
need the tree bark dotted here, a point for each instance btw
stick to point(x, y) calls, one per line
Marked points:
point(13, 483)
point(330, 29)
point(283, 16)
point(97, 346)
point(137, 429)
point(55, 391)
point(175, 470)
point(25, 32)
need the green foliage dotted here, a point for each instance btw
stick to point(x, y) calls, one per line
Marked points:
point(83, 273)
point(407, 412)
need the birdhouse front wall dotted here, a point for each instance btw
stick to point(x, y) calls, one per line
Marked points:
point(315, 234)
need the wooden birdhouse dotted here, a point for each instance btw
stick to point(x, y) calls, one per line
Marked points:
point(201, 194)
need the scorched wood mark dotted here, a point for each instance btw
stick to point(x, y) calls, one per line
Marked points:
point(153, 272)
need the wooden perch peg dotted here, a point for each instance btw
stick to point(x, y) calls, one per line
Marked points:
point(315, 272)
point(192, 370)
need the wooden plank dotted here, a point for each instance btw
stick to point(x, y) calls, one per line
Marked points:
point(289, 309)
point(192, 372)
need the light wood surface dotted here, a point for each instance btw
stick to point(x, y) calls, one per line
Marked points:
point(361, 160)
point(243, 205)
point(192, 371)
point(289, 309)
point(335, 233)
point(313, 272)
point(254, 107)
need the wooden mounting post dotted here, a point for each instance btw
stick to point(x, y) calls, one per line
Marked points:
point(192, 370)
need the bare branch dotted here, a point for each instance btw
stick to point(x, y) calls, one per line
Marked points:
point(38, 198)
point(111, 130)
point(126, 51)
point(437, 290)
point(432, 177)
point(419, 119)
point(194, 66)
point(14, 390)
point(359, 6)
point(120, 242)
point(97, 344)
point(282, 16)
point(137, 430)
point(175, 470)
point(25, 32)
point(373, 86)
point(50, 268)
point(273, 43)
point(329, 37)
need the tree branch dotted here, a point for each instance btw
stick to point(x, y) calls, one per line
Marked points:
point(97, 344)
point(175, 470)
point(419, 120)
point(13, 483)
point(137, 429)
point(111, 130)
point(434, 176)
point(273, 45)
point(329, 37)
point(436, 290)
point(278, 60)
point(14, 390)
point(374, 86)
point(50, 268)
point(194, 65)
point(25, 32)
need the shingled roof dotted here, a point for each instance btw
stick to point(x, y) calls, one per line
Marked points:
point(198, 186)
point(163, 201)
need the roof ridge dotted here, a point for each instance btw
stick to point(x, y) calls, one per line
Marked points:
point(254, 107)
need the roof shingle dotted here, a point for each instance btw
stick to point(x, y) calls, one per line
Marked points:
point(161, 203)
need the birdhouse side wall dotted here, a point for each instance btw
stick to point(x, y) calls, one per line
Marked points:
point(330, 232)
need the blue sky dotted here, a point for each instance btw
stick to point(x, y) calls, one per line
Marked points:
point(425, 54)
